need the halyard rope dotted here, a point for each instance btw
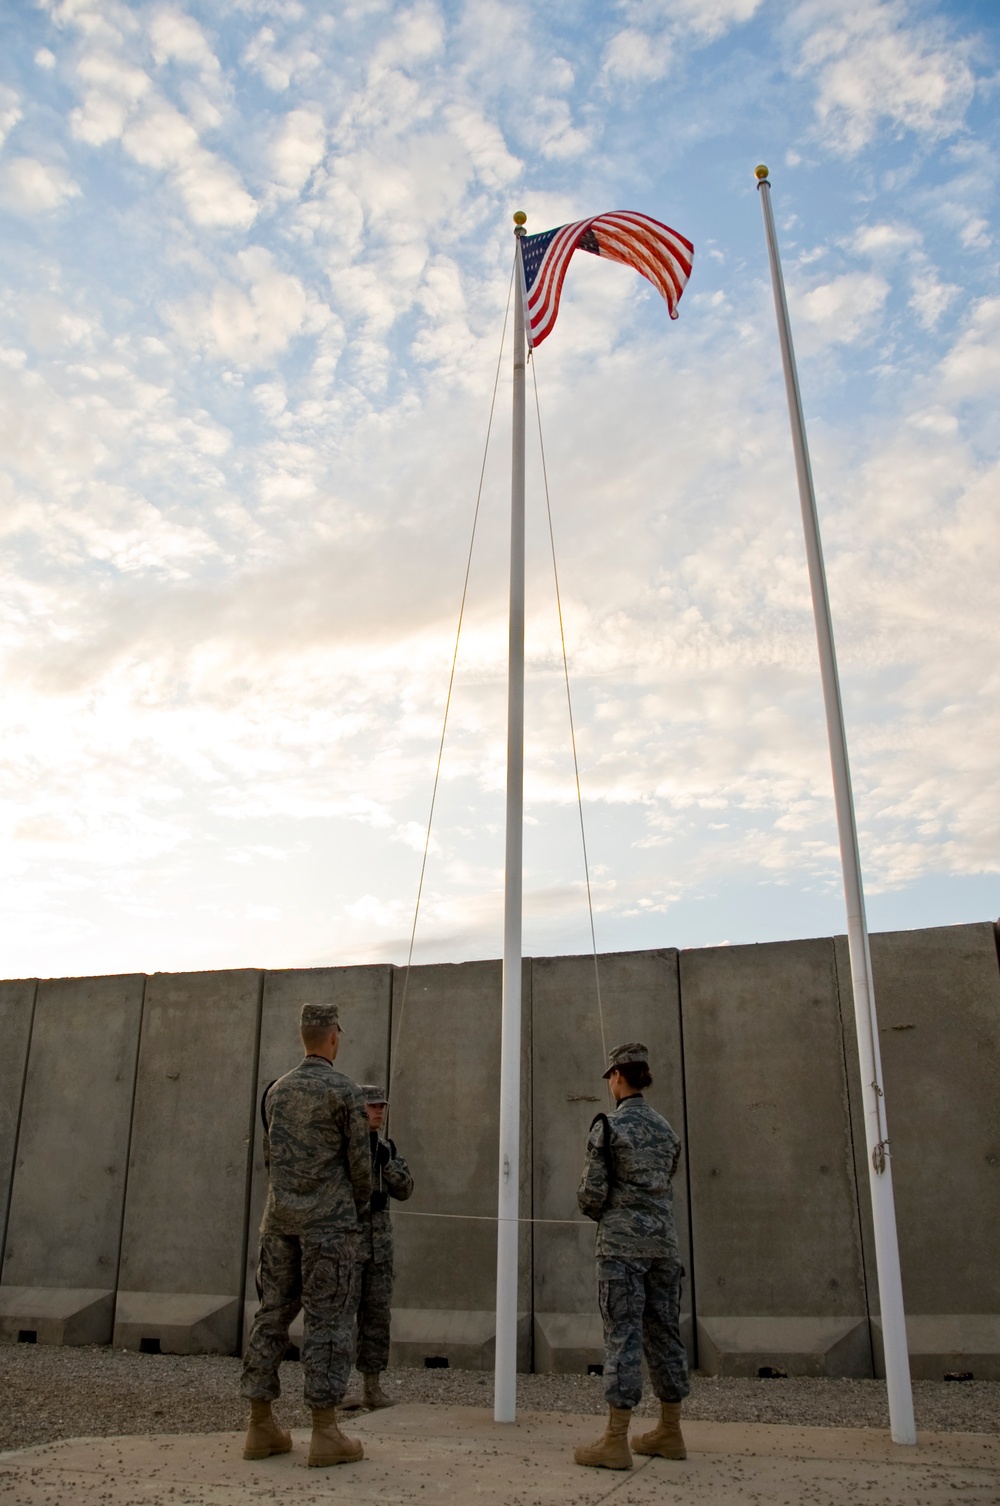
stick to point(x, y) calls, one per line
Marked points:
point(451, 683)
point(572, 725)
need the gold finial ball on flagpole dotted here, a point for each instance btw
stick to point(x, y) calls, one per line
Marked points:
point(520, 218)
point(760, 172)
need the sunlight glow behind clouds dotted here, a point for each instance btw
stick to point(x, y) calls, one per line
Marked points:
point(255, 283)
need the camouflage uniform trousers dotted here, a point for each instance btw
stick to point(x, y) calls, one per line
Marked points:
point(314, 1272)
point(640, 1304)
point(373, 1303)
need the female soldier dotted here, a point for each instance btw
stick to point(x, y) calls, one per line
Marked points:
point(631, 1157)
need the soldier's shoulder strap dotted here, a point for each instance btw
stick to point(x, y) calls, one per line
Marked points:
point(606, 1151)
point(263, 1106)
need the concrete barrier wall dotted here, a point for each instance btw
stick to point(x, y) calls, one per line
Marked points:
point(775, 1222)
point(60, 1270)
point(184, 1240)
point(755, 1064)
point(937, 994)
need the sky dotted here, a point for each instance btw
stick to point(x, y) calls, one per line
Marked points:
point(255, 268)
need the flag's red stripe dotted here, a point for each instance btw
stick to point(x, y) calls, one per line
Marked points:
point(654, 250)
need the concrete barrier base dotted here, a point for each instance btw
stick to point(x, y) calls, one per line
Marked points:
point(176, 1322)
point(570, 1343)
point(56, 1314)
point(943, 1343)
point(798, 1346)
point(467, 1340)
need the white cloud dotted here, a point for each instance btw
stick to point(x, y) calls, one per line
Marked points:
point(886, 240)
point(113, 88)
point(280, 67)
point(177, 37)
point(10, 112)
point(972, 367)
point(248, 324)
point(636, 57)
point(298, 147)
point(644, 50)
point(875, 65)
point(930, 298)
point(29, 187)
point(842, 310)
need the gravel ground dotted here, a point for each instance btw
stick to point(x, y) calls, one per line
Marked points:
point(53, 1393)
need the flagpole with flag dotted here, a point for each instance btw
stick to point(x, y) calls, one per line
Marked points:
point(893, 1317)
point(663, 257)
point(505, 1373)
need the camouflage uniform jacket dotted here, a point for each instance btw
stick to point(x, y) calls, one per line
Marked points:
point(316, 1152)
point(626, 1183)
point(390, 1178)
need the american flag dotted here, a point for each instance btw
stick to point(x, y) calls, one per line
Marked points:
point(658, 252)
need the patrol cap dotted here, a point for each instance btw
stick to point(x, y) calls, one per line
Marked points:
point(372, 1093)
point(622, 1056)
point(319, 1017)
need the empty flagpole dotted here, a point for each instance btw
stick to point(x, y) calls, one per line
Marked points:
point(505, 1377)
point(897, 1360)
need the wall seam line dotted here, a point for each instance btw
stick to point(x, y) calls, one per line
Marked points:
point(687, 1164)
point(17, 1128)
point(248, 1168)
point(854, 1152)
point(128, 1146)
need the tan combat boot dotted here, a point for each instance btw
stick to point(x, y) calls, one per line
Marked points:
point(666, 1439)
point(375, 1397)
point(611, 1451)
point(328, 1444)
point(264, 1437)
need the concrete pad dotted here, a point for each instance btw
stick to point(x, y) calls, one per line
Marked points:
point(64, 1228)
point(362, 995)
point(452, 1456)
point(445, 1117)
point(639, 1001)
point(774, 1205)
point(467, 1340)
point(17, 1003)
point(939, 1343)
point(798, 1346)
point(186, 1209)
point(56, 1314)
point(179, 1322)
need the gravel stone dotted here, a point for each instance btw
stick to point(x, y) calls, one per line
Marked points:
point(53, 1392)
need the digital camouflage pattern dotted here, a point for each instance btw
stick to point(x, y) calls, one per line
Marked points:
point(621, 1056)
point(316, 1151)
point(626, 1183)
point(373, 1305)
point(314, 1271)
point(390, 1178)
point(374, 1275)
point(640, 1304)
point(319, 1170)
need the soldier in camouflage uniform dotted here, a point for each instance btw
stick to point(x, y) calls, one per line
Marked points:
point(632, 1156)
point(373, 1272)
point(319, 1181)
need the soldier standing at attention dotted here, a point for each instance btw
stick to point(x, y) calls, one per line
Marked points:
point(373, 1272)
point(631, 1158)
point(319, 1181)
